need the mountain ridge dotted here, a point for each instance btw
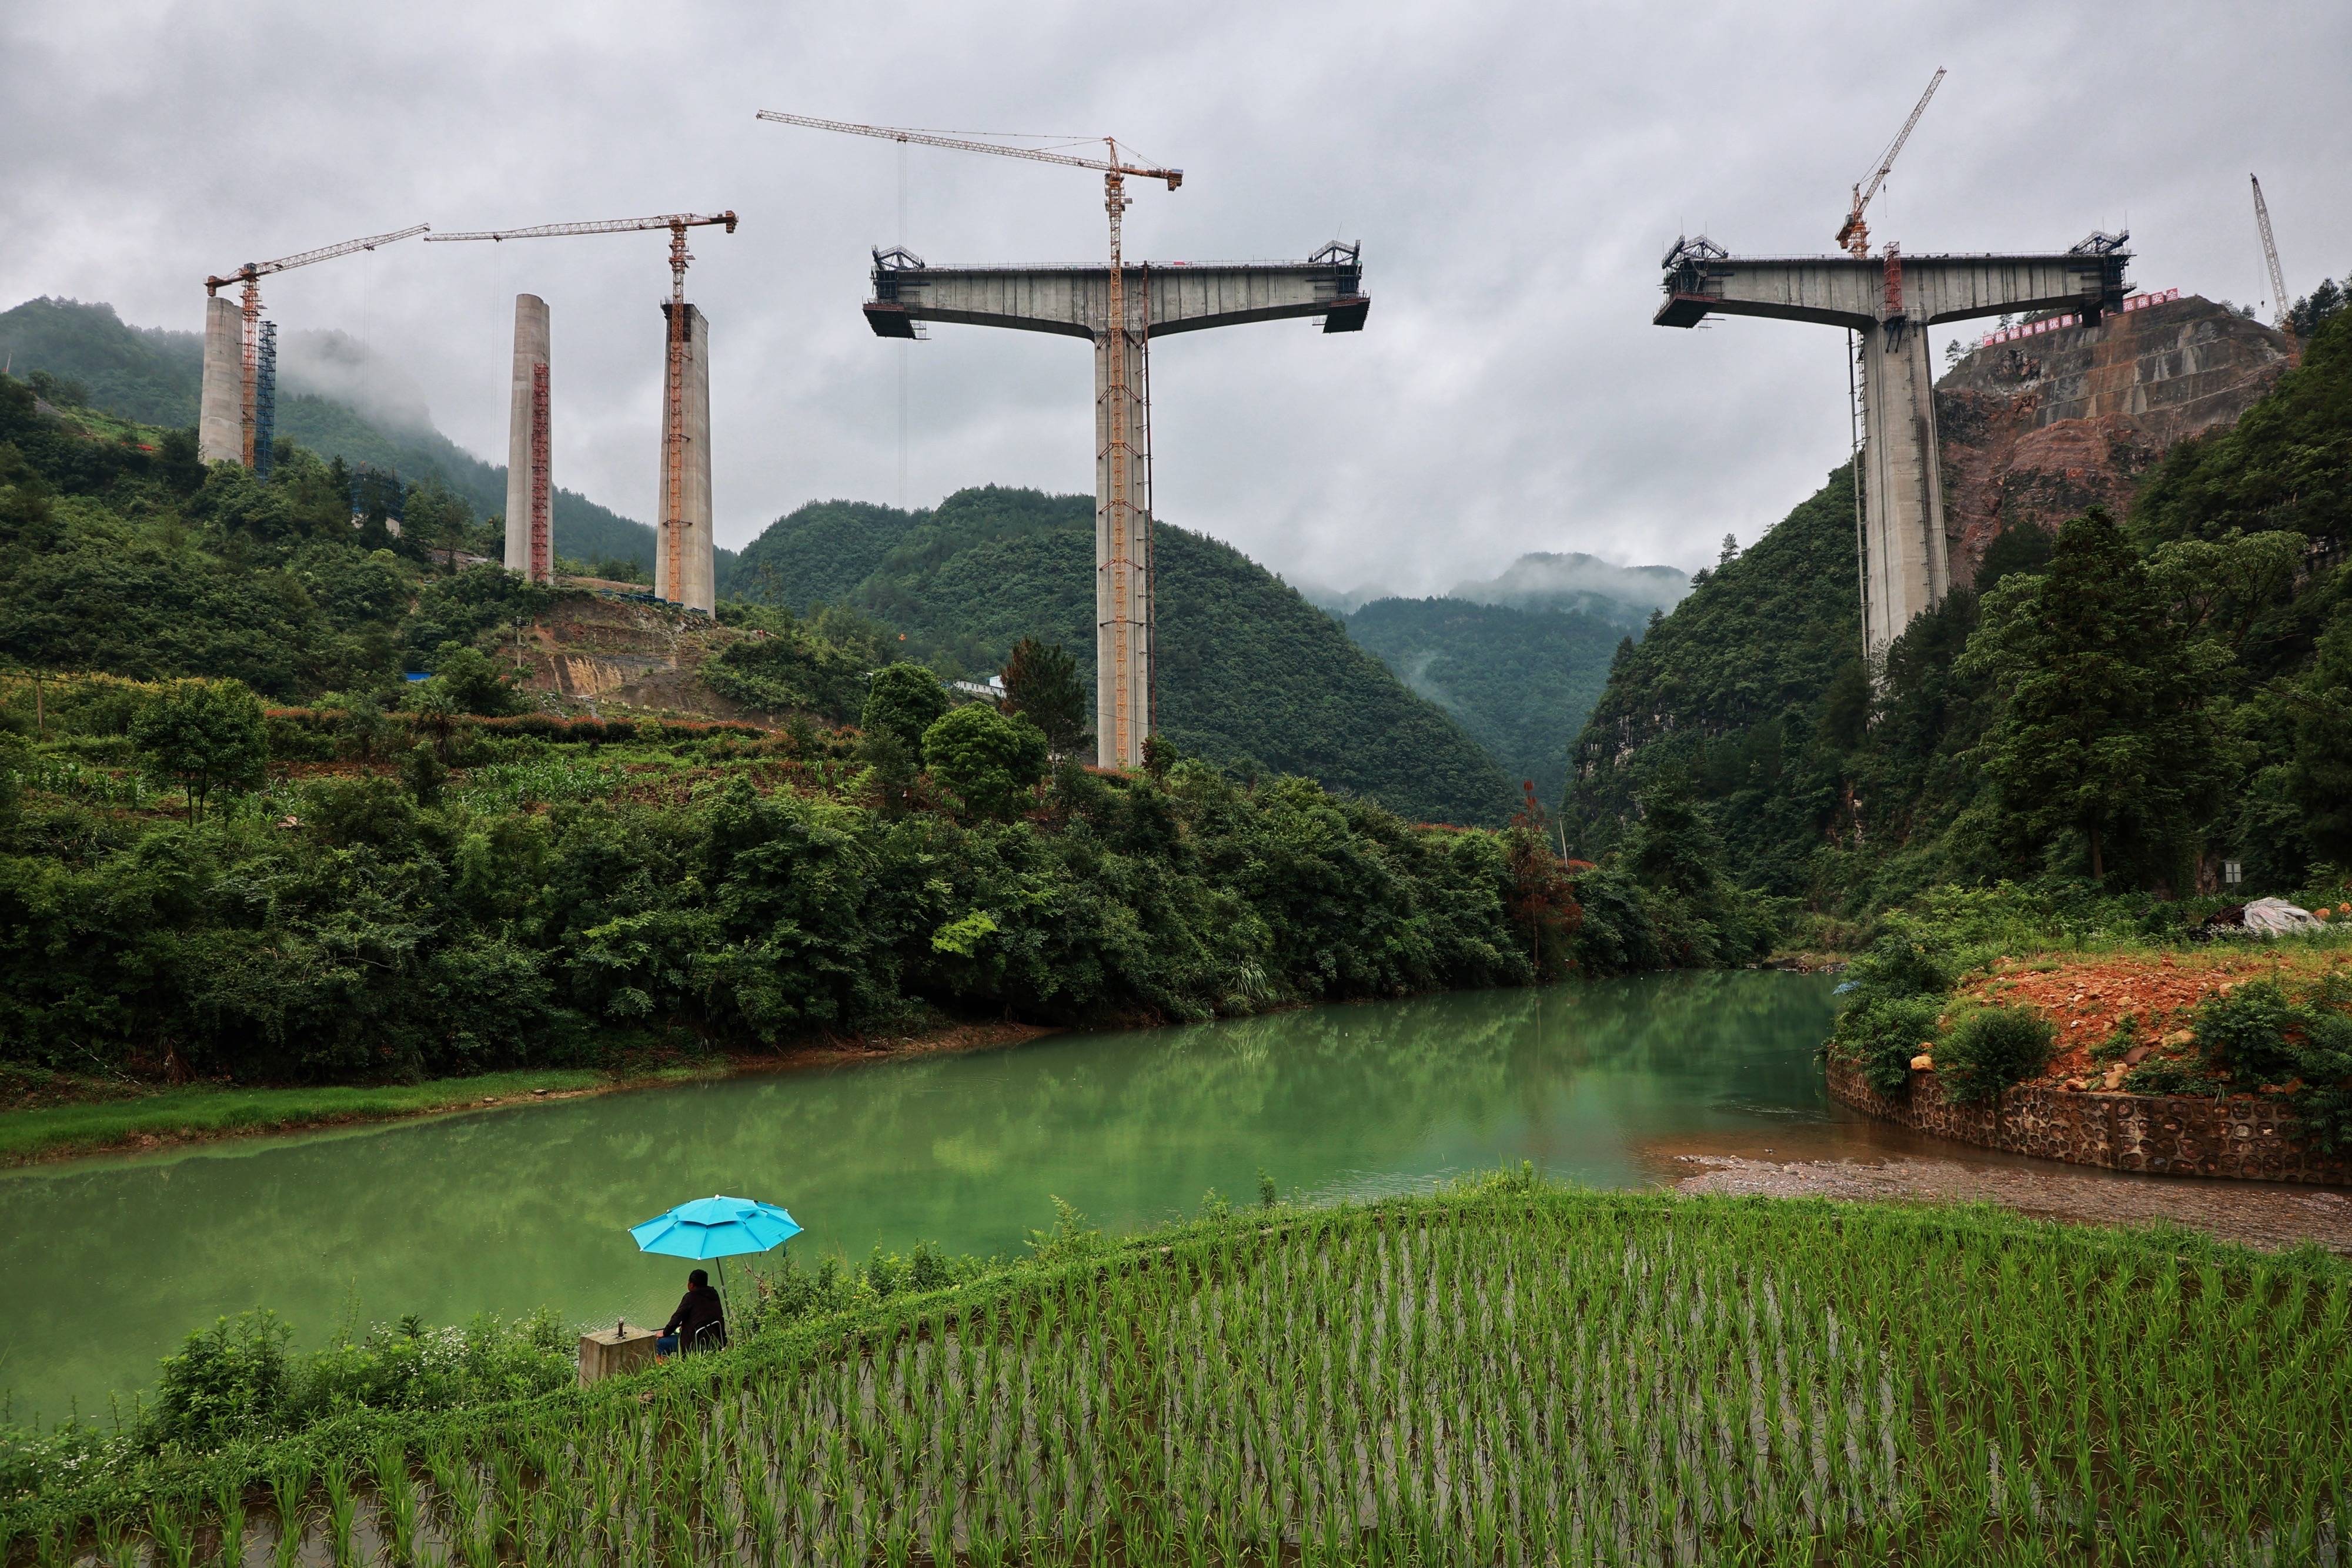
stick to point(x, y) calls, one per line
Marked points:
point(1250, 674)
point(154, 375)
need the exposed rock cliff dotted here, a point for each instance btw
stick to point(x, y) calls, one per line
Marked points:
point(2036, 429)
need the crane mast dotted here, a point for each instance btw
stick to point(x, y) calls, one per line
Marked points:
point(2285, 319)
point(1854, 236)
point(1128, 518)
point(250, 275)
point(677, 345)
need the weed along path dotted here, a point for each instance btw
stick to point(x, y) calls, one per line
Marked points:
point(106, 1263)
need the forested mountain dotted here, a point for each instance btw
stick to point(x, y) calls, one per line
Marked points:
point(1520, 681)
point(1249, 673)
point(1571, 581)
point(2134, 700)
point(155, 376)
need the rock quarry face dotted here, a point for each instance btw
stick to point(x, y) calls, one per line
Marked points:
point(2037, 429)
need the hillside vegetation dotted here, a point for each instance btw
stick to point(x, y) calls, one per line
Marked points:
point(2129, 703)
point(155, 376)
point(1522, 682)
point(387, 879)
point(1250, 674)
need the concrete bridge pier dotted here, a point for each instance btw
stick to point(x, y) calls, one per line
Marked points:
point(220, 410)
point(528, 443)
point(1123, 585)
point(1159, 301)
point(685, 566)
point(1891, 302)
point(1907, 566)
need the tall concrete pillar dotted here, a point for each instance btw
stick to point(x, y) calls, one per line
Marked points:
point(220, 410)
point(1122, 552)
point(685, 569)
point(528, 444)
point(1907, 562)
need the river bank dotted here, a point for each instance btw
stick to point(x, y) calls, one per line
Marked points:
point(55, 1116)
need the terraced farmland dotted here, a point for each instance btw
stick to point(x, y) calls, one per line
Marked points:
point(1509, 1375)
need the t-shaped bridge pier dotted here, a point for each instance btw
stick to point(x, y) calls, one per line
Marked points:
point(1891, 301)
point(1158, 300)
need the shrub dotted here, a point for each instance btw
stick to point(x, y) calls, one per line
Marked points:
point(1880, 1036)
point(1904, 962)
point(2326, 1064)
point(423, 775)
point(2164, 1075)
point(227, 1382)
point(2244, 1034)
point(988, 759)
point(1992, 1049)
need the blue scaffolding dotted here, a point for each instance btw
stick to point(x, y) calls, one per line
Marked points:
point(372, 487)
point(265, 400)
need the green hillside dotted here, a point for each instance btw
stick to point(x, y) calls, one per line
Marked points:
point(2126, 704)
point(1520, 681)
point(155, 376)
point(1249, 671)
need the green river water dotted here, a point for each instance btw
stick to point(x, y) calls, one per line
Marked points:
point(105, 1263)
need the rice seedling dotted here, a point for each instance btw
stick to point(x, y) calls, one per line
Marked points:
point(289, 1490)
point(228, 1506)
point(1508, 1377)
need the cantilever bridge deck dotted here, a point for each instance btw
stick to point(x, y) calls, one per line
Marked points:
point(1074, 301)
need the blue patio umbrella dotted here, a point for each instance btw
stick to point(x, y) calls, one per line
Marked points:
point(716, 1228)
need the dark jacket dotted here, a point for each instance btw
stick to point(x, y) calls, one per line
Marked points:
point(697, 1310)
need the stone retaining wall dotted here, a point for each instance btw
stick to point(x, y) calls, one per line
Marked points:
point(2250, 1137)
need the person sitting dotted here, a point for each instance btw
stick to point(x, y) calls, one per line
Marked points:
point(699, 1323)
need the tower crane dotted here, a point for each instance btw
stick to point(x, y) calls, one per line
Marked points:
point(1117, 438)
point(1853, 234)
point(674, 439)
point(251, 274)
point(2285, 320)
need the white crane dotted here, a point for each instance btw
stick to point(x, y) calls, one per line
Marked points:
point(2283, 319)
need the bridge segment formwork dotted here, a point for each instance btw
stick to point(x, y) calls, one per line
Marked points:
point(1156, 300)
point(1890, 302)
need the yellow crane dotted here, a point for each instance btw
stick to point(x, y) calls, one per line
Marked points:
point(252, 273)
point(673, 529)
point(1853, 234)
point(1117, 438)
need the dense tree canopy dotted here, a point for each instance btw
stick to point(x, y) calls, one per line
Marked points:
point(1248, 672)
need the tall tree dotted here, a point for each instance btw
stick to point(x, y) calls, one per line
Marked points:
point(902, 701)
point(2106, 732)
point(1041, 680)
point(204, 736)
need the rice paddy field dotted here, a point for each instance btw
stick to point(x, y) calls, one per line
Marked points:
point(1507, 1374)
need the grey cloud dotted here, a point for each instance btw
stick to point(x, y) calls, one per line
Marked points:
point(1513, 171)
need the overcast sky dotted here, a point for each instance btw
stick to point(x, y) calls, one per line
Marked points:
point(1513, 172)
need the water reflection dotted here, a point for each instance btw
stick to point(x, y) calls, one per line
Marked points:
point(103, 1263)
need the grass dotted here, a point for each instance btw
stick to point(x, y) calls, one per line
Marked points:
point(207, 1111)
point(1506, 1373)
